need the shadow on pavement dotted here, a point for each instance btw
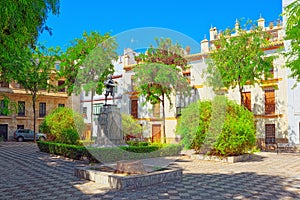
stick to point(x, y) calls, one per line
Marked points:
point(213, 186)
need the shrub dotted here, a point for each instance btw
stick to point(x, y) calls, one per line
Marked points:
point(137, 143)
point(63, 125)
point(130, 126)
point(66, 150)
point(224, 127)
point(112, 154)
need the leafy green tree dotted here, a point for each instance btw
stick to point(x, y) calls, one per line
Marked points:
point(159, 74)
point(239, 60)
point(21, 22)
point(292, 12)
point(35, 73)
point(130, 126)
point(63, 125)
point(87, 63)
point(234, 134)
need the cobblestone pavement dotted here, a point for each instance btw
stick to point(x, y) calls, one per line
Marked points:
point(27, 173)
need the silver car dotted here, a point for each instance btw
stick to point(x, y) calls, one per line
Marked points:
point(26, 134)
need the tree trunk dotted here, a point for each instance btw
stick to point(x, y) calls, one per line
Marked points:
point(164, 118)
point(241, 94)
point(34, 115)
point(92, 113)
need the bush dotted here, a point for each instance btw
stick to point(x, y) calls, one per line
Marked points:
point(63, 125)
point(130, 126)
point(224, 128)
point(137, 143)
point(112, 154)
point(66, 150)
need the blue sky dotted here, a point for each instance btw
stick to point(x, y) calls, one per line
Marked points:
point(190, 20)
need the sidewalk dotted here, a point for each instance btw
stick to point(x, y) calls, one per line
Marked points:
point(27, 173)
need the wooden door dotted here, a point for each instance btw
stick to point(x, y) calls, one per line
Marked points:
point(156, 133)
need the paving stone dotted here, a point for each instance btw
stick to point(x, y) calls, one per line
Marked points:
point(270, 176)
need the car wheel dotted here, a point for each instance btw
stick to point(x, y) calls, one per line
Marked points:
point(42, 138)
point(20, 139)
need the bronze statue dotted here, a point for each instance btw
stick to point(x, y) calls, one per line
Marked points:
point(109, 84)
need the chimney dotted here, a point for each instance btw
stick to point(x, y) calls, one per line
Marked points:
point(213, 32)
point(204, 46)
point(261, 22)
point(188, 50)
point(126, 60)
point(237, 26)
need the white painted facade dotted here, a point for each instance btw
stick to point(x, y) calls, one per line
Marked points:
point(286, 118)
point(293, 95)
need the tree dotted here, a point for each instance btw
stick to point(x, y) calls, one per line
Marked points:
point(234, 134)
point(239, 60)
point(87, 63)
point(36, 73)
point(21, 22)
point(130, 126)
point(292, 12)
point(63, 125)
point(159, 75)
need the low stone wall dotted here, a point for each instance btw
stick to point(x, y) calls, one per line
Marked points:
point(229, 159)
point(120, 181)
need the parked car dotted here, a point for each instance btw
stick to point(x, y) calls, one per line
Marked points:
point(26, 134)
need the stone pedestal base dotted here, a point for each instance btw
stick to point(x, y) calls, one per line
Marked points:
point(130, 167)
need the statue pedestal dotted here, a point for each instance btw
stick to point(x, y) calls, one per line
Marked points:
point(109, 131)
point(130, 167)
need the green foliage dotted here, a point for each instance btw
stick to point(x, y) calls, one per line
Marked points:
point(240, 60)
point(188, 124)
point(88, 61)
point(292, 12)
point(66, 150)
point(134, 153)
point(158, 75)
point(155, 80)
point(108, 154)
point(130, 126)
point(63, 125)
point(7, 106)
point(137, 143)
point(140, 149)
point(21, 22)
point(223, 128)
point(36, 72)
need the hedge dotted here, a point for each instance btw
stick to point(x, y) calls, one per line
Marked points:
point(111, 154)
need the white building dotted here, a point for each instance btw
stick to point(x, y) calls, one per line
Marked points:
point(293, 95)
point(275, 104)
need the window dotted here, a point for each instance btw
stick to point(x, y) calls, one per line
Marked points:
point(247, 100)
point(21, 108)
point(270, 133)
point(42, 111)
point(156, 110)
point(61, 86)
point(97, 108)
point(270, 102)
point(84, 112)
point(178, 111)
point(134, 108)
point(61, 105)
point(3, 108)
point(20, 126)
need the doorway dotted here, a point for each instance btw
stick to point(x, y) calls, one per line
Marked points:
point(3, 131)
point(156, 133)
